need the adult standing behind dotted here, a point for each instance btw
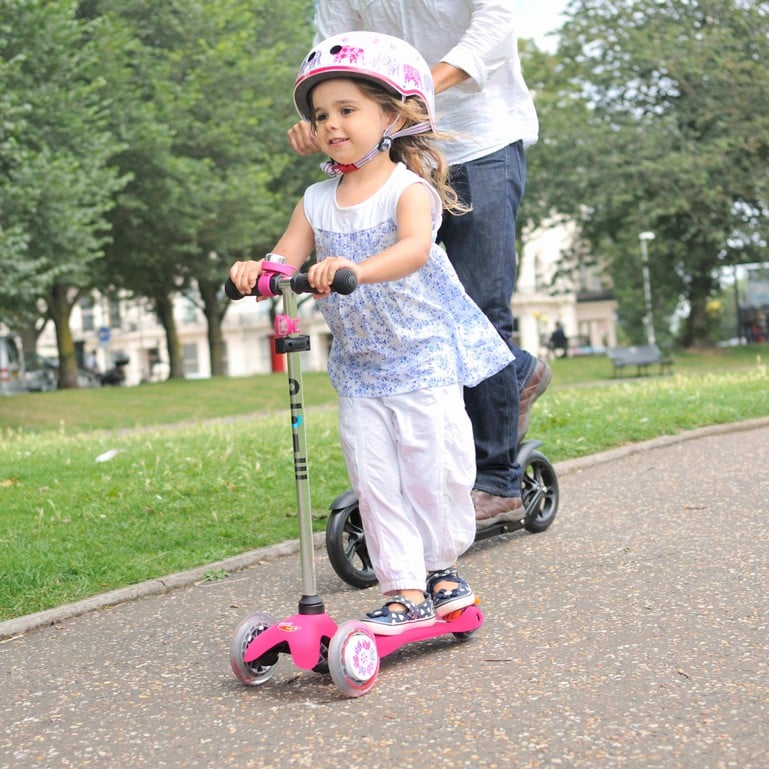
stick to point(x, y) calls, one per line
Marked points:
point(482, 100)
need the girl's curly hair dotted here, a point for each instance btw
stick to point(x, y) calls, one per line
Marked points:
point(419, 152)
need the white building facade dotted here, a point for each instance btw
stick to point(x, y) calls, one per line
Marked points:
point(129, 329)
point(584, 306)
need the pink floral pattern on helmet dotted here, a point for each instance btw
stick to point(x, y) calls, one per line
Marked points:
point(383, 59)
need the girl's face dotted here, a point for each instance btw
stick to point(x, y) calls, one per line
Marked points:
point(347, 122)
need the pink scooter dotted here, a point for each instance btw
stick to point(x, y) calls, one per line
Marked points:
point(350, 652)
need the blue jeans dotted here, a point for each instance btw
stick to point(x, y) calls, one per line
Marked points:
point(481, 246)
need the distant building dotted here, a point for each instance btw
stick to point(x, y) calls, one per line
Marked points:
point(584, 305)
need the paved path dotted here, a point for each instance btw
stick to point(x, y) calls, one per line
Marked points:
point(633, 633)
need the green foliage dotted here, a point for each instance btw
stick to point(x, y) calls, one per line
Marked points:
point(154, 130)
point(56, 184)
point(205, 104)
point(655, 116)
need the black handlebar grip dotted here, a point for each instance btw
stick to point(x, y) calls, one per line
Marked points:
point(231, 291)
point(344, 282)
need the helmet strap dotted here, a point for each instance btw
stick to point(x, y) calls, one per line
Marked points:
point(337, 169)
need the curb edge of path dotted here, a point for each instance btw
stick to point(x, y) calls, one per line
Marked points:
point(15, 628)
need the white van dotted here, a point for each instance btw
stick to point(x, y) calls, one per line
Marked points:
point(11, 367)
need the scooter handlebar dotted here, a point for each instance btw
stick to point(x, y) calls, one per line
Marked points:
point(344, 282)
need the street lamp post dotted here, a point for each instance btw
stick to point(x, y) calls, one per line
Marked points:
point(645, 237)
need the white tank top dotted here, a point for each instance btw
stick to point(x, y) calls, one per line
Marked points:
point(417, 332)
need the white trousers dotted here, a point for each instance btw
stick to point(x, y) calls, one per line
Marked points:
point(411, 461)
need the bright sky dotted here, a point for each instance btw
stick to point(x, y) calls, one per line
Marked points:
point(537, 17)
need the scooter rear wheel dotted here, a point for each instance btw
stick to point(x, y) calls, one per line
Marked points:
point(257, 672)
point(353, 659)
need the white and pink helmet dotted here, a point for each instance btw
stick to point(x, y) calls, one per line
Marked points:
point(383, 59)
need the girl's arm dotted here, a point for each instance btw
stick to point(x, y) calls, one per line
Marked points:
point(410, 252)
point(295, 245)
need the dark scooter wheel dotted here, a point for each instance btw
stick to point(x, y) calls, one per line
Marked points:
point(539, 491)
point(346, 546)
point(257, 672)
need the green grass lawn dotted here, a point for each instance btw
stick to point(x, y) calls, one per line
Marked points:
point(104, 488)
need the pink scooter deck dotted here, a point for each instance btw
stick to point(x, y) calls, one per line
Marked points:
point(303, 633)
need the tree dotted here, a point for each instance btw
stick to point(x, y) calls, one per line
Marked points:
point(20, 283)
point(201, 117)
point(666, 129)
point(56, 186)
point(253, 181)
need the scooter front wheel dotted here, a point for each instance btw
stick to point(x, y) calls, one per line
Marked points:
point(353, 659)
point(261, 670)
point(539, 490)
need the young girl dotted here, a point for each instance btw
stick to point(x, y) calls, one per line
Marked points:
point(409, 338)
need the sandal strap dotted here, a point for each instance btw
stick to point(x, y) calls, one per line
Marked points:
point(410, 605)
point(385, 611)
point(449, 575)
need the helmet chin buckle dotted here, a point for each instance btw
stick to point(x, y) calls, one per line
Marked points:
point(333, 168)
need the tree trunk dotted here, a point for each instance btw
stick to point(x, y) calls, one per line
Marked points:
point(697, 326)
point(29, 334)
point(165, 310)
point(60, 309)
point(214, 312)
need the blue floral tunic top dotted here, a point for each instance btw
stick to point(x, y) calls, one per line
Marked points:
point(397, 337)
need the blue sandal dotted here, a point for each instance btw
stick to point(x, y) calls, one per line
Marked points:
point(386, 621)
point(447, 601)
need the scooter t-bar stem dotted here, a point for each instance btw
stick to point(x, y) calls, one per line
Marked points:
point(310, 602)
point(279, 279)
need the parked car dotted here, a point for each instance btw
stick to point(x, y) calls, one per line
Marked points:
point(40, 373)
point(11, 367)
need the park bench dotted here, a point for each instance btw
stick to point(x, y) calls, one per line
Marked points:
point(641, 356)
